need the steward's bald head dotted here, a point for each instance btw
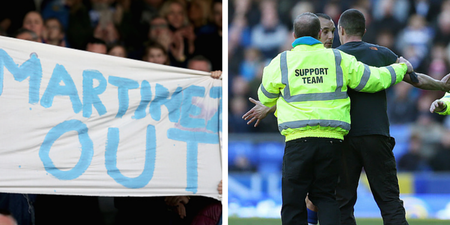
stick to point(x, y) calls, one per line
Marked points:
point(307, 24)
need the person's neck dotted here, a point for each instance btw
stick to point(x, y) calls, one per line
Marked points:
point(352, 39)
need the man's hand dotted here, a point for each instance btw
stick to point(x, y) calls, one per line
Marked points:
point(258, 112)
point(438, 106)
point(175, 200)
point(408, 64)
point(178, 202)
point(216, 74)
point(219, 187)
point(181, 210)
point(310, 205)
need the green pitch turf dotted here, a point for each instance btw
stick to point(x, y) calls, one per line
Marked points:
point(263, 221)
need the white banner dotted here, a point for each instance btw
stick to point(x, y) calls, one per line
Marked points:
point(80, 123)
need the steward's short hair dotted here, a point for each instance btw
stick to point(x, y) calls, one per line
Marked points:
point(307, 24)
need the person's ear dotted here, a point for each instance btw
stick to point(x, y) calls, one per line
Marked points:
point(341, 31)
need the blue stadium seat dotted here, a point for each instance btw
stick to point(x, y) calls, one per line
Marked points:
point(400, 132)
point(270, 155)
point(241, 148)
point(400, 149)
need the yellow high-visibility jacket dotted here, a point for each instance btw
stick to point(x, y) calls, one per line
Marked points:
point(309, 87)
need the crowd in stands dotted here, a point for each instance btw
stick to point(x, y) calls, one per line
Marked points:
point(181, 33)
point(170, 30)
point(418, 30)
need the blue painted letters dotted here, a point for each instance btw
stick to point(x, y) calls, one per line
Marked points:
point(31, 68)
point(124, 85)
point(111, 159)
point(90, 94)
point(87, 149)
point(55, 89)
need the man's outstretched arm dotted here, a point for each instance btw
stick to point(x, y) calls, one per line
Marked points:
point(428, 83)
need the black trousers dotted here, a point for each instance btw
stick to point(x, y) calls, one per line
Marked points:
point(310, 165)
point(374, 153)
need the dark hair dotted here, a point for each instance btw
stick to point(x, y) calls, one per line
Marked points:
point(323, 15)
point(20, 31)
point(200, 58)
point(353, 21)
point(61, 27)
point(307, 24)
point(94, 40)
point(154, 44)
point(111, 46)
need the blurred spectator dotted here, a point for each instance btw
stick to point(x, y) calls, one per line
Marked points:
point(150, 9)
point(107, 32)
point(299, 8)
point(269, 35)
point(96, 45)
point(438, 65)
point(174, 11)
point(79, 30)
point(117, 50)
point(56, 9)
point(427, 126)
point(333, 9)
point(209, 44)
point(238, 106)
point(156, 53)
point(401, 108)
point(101, 12)
point(33, 21)
point(199, 14)
point(439, 162)
point(199, 62)
point(54, 32)
point(443, 28)
point(183, 37)
point(101, 15)
point(386, 38)
point(26, 34)
point(386, 18)
point(429, 9)
point(159, 32)
point(131, 26)
point(239, 38)
point(412, 160)
point(414, 41)
point(250, 65)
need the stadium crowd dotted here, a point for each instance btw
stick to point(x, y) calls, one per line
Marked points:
point(418, 30)
point(138, 29)
point(181, 33)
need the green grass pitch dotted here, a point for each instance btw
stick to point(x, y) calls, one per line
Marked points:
point(264, 221)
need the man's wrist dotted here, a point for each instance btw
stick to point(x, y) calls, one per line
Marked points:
point(444, 109)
